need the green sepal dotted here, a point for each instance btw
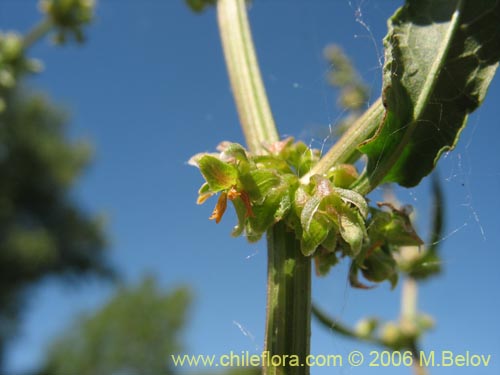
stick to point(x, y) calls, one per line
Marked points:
point(233, 151)
point(424, 266)
point(241, 212)
point(263, 181)
point(350, 196)
point(393, 227)
point(219, 175)
point(343, 175)
point(352, 229)
point(331, 241)
point(271, 162)
point(204, 193)
point(380, 266)
point(315, 225)
point(300, 157)
point(354, 278)
point(324, 260)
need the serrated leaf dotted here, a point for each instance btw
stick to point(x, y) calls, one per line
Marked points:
point(219, 175)
point(441, 56)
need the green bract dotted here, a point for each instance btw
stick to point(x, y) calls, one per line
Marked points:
point(328, 219)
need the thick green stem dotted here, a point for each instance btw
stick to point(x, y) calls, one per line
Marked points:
point(288, 327)
point(246, 81)
point(346, 148)
point(289, 272)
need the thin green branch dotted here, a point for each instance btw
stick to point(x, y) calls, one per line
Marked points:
point(409, 296)
point(340, 328)
point(244, 74)
point(37, 33)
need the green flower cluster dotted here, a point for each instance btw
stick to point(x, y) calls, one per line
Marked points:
point(13, 62)
point(328, 218)
point(68, 16)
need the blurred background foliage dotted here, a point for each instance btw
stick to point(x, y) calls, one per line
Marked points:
point(44, 233)
point(134, 333)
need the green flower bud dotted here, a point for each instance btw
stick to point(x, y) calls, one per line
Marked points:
point(379, 266)
point(69, 16)
point(7, 79)
point(391, 335)
point(366, 327)
point(343, 175)
point(11, 47)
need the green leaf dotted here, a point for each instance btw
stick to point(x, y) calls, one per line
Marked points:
point(219, 175)
point(441, 56)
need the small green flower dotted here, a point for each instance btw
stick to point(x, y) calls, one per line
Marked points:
point(69, 17)
point(330, 220)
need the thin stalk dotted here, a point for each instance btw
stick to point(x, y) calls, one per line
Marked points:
point(340, 328)
point(346, 148)
point(37, 33)
point(409, 296)
point(288, 328)
point(244, 74)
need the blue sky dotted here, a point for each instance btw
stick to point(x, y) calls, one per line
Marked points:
point(149, 89)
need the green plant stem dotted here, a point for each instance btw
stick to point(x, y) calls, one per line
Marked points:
point(37, 33)
point(288, 301)
point(289, 272)
point(342, 329)
point(345, 149)
point(409, 296)
point(244, 74)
